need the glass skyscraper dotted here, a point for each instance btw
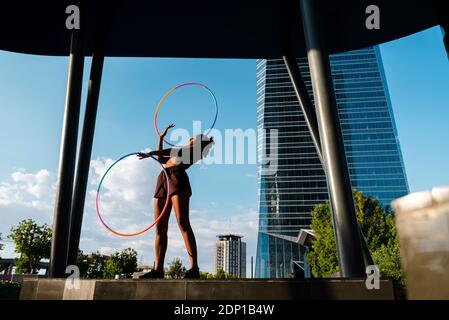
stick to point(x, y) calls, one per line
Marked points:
point(287, 197)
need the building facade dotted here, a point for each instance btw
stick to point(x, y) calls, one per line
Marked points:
point(287, 196)
point(230, 255)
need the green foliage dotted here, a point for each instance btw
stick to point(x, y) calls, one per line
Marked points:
point(206, 275)
point(122, 263)
point(372, 220)
point(82, 263)
point(221, 274)
point(323, 258)
point(22, 265)
point(91, 266)
point(33, 242)
point(231, 276)
point(378, 228)
point(9, 290)
point(175, 269)
point(387, 257)
point(1, 244)
point(1, 248)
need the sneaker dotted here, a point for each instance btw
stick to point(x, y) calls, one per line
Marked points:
point(153, 274)
point(193, 273)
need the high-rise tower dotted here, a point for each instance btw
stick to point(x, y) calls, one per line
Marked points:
point(374, 157)
point(230, 255)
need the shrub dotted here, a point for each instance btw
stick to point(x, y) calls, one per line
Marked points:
point(9, 290)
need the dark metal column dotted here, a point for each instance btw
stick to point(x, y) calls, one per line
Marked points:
point(304, 100)
point(67, 157)
point(82, 170)
point(309, 113)
point(347, 234)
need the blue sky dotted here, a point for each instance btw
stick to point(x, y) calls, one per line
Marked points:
point(32, 91)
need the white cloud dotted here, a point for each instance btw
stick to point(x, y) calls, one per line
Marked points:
point(27, 189)
point(25, 195)
point(36, 184)
point(126, 197)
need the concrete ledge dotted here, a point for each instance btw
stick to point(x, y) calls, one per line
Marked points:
point(312, 289)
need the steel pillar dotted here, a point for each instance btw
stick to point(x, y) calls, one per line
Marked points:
point(349, 247)
point(82, 170)
point(67, 157)
point(309, 113)
point(304, 100)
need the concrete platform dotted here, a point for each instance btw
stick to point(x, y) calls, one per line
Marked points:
point(312, 289)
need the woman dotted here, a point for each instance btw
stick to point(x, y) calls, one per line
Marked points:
point(176, 161)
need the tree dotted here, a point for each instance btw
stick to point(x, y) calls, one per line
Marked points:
point(1, 248)
point(1, 244)
point(323, 257)
point(22, 265)
point(175, 269)
point(122, 263)
point(378, 228)
point(388, 256)
point(372, 220)
point(91, 266)
point(221, 274)
point(206, 275)
point(82, 263)
point(33, 242)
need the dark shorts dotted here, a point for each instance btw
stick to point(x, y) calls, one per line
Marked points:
point(178, 180)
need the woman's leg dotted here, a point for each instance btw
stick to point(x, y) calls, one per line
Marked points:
point(161, 232)
point(181, 205)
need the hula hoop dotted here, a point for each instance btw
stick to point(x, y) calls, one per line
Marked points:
point(177, 87)
point(98, 198)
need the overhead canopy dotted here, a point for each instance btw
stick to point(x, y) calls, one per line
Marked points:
point(204, 28)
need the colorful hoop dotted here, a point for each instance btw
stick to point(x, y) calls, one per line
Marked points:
point(97, 199)
point(171, 91)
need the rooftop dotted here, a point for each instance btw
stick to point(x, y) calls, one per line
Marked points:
point(229, 235)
